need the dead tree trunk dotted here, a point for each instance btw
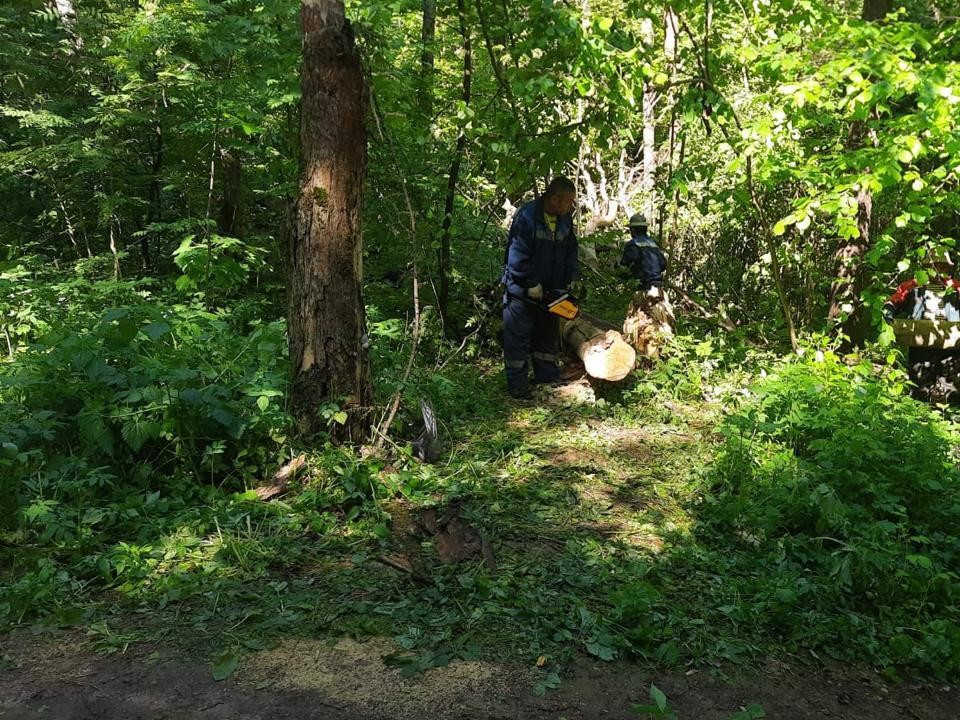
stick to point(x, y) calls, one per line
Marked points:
point(326, 321)
point(600, 346)
point(649, 319)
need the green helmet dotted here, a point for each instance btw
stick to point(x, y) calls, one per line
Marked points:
point(637, 220)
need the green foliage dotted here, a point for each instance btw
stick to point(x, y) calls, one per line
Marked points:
point(216, 263)
point(848, 491)
point(659, 707)
point(144, 377)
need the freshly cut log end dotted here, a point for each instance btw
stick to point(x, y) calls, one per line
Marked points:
point(602, 349)
point(607, 356)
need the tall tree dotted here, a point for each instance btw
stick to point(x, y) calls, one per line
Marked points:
point(443, 253)
point(428, 33)
point(650, 97)
point(326, 321)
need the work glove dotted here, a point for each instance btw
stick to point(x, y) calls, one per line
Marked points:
point(536, 292)
point(888, 311)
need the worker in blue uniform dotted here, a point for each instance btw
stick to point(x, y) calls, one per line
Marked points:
point(541, 260)
point(642, 256)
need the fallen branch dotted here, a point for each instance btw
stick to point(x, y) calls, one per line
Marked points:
point(281, 479)
point(722, 320)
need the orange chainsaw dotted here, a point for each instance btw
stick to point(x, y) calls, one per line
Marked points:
point(556, 302)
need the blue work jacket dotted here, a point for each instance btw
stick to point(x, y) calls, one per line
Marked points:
point(537, 255)
point(645, 260)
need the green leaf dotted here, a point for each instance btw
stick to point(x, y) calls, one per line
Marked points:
point(887, 336)
point(921, 561)
point(263, 402)
point(225, 665)
point(605, 23)
point(340, 417)
point(156, 330)
point(659, 697)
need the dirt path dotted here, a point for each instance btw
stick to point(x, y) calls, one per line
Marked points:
point(60, 678)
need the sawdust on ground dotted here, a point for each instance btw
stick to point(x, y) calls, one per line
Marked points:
point(353, 674)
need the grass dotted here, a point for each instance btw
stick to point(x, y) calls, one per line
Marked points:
point(690, 515)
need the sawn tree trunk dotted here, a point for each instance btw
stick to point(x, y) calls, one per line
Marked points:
point(600, 346)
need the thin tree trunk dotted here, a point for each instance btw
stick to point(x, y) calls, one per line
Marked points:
point(454, 174)
point(155, 211)
point(876, 9)
point(229, 223)
point(68, 17)
point(326, 321)
point(670, 26)
point(649, 132)
point(428, 32)
point(114, 251)
point(71, 233)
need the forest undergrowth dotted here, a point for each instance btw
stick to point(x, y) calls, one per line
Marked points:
point(726, 504)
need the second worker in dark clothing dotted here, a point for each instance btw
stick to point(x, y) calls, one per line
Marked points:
point(642, 256)
point(541, 259)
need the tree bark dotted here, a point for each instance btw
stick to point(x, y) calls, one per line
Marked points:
point(428, 32)
point(229, 222)
point(649, 133)
point(649, 318)
point(876, 9)
point(454, 174)
point(68, 17)
point(326, 321)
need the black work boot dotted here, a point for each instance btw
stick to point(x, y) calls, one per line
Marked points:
point(521, 393)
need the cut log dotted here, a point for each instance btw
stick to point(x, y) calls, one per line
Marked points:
point(602, 349)
point(649, 318)
point(927, 333)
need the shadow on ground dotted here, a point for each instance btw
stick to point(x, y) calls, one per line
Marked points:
point(57, 677)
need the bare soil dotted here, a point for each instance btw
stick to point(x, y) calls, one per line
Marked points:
point(61, 677)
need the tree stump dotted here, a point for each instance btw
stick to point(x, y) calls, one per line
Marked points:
point(649, 318)
point(602, 349)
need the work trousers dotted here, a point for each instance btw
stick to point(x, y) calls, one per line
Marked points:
point(529, 333)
